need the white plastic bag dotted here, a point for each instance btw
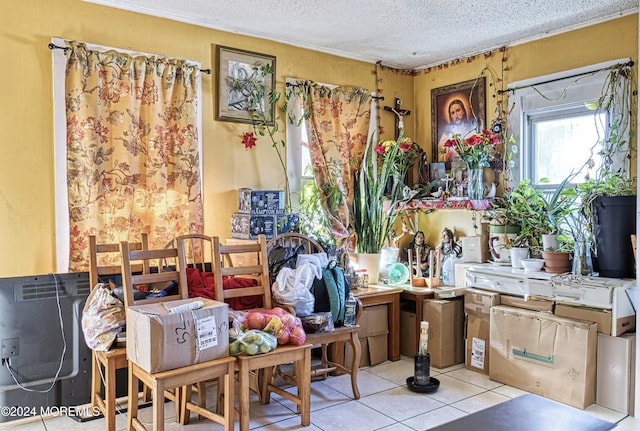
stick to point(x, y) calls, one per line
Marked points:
point(103, 318)
point(292, 287)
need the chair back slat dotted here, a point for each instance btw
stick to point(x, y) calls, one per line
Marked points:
point(100, 252)
point(170, 264)
point(223, 255)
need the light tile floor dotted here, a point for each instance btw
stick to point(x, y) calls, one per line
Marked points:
point(385, 404)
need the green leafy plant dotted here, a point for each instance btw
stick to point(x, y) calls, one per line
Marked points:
point(263, 124)
point(374, 213)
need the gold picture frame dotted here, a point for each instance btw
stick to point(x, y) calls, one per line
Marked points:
point(469, 96)
point(236, 69)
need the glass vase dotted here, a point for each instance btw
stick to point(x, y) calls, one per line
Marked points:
point(582, 263)
point(475, 186)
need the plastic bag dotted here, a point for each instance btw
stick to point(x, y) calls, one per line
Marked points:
point(103, 318)
point(293, 287)
point(253, 342)
point(283, 325)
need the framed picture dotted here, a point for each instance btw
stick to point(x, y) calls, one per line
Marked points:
point(239, 72)
point(455, 109)
point(438, 175)
point(459, 181)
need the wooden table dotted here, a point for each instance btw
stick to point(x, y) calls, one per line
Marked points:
point(390, 296)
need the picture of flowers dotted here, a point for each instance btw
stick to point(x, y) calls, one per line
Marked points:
point(238, 71)
point(456, 109)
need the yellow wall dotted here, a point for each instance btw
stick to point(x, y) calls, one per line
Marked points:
point(595, 44)
point(27, 195)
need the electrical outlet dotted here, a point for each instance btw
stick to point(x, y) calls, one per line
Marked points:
point(9, 348)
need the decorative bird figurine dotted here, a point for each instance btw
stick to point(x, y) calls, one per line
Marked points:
point(438, 193)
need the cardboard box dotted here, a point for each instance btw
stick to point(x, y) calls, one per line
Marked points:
point(407, 333)
point(478, 301)
point(373, 335)
point(160, 341)
point(261, 202)
point(446, 331)
point(603, 318)
point(527, 303)
point(286, 223)
point(544, 354)
point(242, 259)
point(472, 249)
point(477, 332)
point(248, 226)
point(616, 372)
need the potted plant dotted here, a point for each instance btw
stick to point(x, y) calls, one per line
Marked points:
point(526, 209)
point(374, 211)
point(609, 210)
point(608, 197)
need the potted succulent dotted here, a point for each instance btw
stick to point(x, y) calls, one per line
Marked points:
point(374, 207)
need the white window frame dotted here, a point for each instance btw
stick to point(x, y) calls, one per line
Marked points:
point(563, 92)
point(60, 142)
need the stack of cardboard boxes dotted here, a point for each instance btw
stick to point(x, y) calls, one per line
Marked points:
point(446, 331)
point(373, 335)
point(261, 212)
point(570, 353)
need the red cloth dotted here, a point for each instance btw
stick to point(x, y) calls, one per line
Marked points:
point(202, 284)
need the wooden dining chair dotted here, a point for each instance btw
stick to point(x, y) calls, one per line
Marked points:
point(171, 277)
point(105, 265)
point(245, 364)
point(328, 341)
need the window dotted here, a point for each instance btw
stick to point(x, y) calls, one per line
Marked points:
point(559, 142)
point(554, 130)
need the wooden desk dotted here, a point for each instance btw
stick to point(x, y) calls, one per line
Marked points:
point(390, 296)
point(417, 295)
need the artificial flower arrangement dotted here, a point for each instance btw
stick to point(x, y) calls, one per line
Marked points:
point(400, 155)
point(476, 150)
point(384, 164)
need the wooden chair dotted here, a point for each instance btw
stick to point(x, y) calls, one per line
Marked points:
point(433, 280)
point(170, 263)
point(115, 358)
point(299, 355)
point(327, 340)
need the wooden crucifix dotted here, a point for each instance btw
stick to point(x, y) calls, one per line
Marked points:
point(400, 114)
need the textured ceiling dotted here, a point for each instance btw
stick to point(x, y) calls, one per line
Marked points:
point(404, 34)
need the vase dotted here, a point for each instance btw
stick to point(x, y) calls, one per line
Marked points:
point(475, 186)
point(582, 263)
point(516, 254)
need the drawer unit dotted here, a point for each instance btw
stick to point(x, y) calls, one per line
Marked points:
point(506, 282)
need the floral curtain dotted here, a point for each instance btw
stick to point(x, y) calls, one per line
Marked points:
point(132, 149)
point(338, 126)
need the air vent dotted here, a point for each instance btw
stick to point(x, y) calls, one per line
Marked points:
point(37, 289)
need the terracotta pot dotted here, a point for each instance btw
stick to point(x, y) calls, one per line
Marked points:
point(557, 262)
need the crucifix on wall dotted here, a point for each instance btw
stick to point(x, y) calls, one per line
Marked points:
point(400, 114)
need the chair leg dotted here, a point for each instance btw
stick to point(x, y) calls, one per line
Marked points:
point(132, 402)
point(110, 396)
point(269, 375)
point(96, 381)
point(355, 363)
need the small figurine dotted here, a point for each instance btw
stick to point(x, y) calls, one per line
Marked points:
point(420, 255)
point(448, 246)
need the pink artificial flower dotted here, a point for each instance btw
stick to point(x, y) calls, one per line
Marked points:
point(380, 149)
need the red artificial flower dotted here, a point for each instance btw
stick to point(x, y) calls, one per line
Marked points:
point(249, 140)
point(474, 140)
point(405, 146)
point(380, 149)
point(450, 143)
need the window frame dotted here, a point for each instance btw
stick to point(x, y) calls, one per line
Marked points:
point(552, 94)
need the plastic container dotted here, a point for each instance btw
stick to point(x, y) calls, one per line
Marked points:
point(350, 311)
